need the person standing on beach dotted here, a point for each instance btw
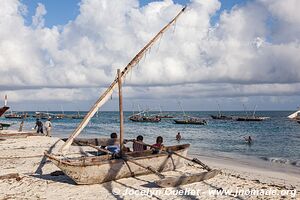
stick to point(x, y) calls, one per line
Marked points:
point(48, 127)
point(39, 126)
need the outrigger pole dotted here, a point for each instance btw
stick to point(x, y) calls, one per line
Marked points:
point(108, 92)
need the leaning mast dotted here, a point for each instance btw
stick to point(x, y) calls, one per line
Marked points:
point(105, 96)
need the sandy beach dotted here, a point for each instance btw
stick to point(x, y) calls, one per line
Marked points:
point(238, 179)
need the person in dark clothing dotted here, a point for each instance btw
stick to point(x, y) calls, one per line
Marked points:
point(139, 146)
point(39, 126)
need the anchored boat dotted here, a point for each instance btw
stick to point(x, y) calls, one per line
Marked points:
point(190, 120)
point(143, 118)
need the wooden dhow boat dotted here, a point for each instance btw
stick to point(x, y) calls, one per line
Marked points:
point(142, 118)
point(220, 116)
point(99, 169)
point(190, 120)
point(251, 118)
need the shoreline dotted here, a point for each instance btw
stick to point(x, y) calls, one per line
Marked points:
point(25, 157)
point(269, 171)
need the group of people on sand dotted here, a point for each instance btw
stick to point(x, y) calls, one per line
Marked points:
point(39, 127)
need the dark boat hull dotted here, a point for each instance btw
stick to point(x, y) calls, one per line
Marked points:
point(136, 118)
point(4, 125)
point(190, 122)
point(3, 110)
point(146, 120)
point(221, 117)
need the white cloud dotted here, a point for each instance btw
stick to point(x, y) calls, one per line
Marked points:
point(37, 20)
point(252, 50)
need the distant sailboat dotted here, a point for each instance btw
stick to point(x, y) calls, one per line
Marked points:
point(220, 116)
point(189, 119)
point(163, 116)
point(251, 118)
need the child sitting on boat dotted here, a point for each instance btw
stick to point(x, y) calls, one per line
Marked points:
point(158, 146)
point(115, 147)
point(139, 146)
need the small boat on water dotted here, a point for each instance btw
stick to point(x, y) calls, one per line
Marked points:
point(15, 115)
point(165, 116)
point(298, 121)
point(162, 115)
point(144, 118)
point(222, 117)
point(98, 169)
point(77, 116)
point(4, 125)
point(251, 118)
point(43, 115)
point(190, 120)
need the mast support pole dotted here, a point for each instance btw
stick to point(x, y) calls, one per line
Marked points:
point(121, 111)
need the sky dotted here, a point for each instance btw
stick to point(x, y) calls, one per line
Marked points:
point(63, 54)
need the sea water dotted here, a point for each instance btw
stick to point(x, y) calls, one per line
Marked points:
point(276, 139)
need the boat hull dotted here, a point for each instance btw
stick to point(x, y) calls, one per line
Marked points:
point(189, 122)
point(221, 117)
point(145, 119)
point(99, 169)
point(251, 119)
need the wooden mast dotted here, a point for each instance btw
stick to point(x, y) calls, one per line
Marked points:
point(121, 111)
point(108, 92)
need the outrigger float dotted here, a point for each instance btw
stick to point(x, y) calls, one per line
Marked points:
point(99, 169)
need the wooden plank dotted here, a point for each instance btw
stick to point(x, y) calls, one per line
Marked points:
point(187, 179)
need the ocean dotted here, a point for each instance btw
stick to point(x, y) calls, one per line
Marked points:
point(274, 140)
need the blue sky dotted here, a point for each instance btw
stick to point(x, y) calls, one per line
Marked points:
point(59, 12)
